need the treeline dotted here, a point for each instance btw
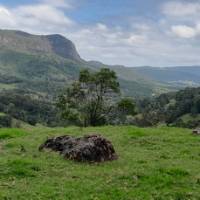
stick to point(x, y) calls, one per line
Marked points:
point(94, 100)
point(180, 108)
point(28, 108)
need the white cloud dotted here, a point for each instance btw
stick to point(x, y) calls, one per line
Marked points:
point(42, 13)
point(136, 39)
point(144, 42)
point(184, 31)
point(182, 17)
point(102, 27)
point(37, 18)
point(6, 17)
point(127, 47)
point(181, 8)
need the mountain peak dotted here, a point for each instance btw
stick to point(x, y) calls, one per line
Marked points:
point(50, 44)
point(63, 47)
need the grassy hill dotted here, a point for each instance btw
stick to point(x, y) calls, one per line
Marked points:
point(43, 74)
point(154, 163)
point(48, 74)
point(175, 76)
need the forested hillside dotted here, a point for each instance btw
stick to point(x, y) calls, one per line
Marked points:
point(43, 66)
point(176, 109)
point(18, 106)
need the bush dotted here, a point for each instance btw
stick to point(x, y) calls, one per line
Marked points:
point(5, 121)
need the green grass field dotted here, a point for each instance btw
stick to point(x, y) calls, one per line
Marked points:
point(154, 164)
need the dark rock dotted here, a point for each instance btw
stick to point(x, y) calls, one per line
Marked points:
point(196, 131)
point(91, 148)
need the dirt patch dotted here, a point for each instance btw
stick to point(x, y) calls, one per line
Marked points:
point(91, 148)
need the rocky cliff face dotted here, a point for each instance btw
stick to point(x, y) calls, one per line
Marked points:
point(63, 47)
point(49, 44)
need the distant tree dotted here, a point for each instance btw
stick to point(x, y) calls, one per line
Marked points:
point(89, 100)
point(126, 109)
point(127, 106)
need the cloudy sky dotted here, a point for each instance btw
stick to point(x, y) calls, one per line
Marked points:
point(128, 32)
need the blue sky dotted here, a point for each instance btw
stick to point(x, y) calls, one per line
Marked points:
point(108, 10)
point(125, 32)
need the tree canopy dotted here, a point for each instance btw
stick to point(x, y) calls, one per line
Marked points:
point(89, 100)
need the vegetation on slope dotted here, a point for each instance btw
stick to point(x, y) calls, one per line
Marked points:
point(44, 64)
point(25, 107)
point(185, 76)
point(46, 74)
point(180, 108)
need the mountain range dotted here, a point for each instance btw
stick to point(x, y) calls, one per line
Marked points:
point(45, 64)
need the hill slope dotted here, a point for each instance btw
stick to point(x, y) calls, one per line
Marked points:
point(180, 108)
point(46, 64)
point(175, 76)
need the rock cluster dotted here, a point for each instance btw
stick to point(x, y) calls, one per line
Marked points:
point(91, 148)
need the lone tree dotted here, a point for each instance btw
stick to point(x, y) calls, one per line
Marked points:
point(89, 101)
point(126, 109)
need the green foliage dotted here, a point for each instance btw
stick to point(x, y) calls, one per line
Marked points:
point(124, 113)
point(154, 163)
point(127, 106)
point(90, 100)
point(24, 107)
point(169, 108)
point(5, 121)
